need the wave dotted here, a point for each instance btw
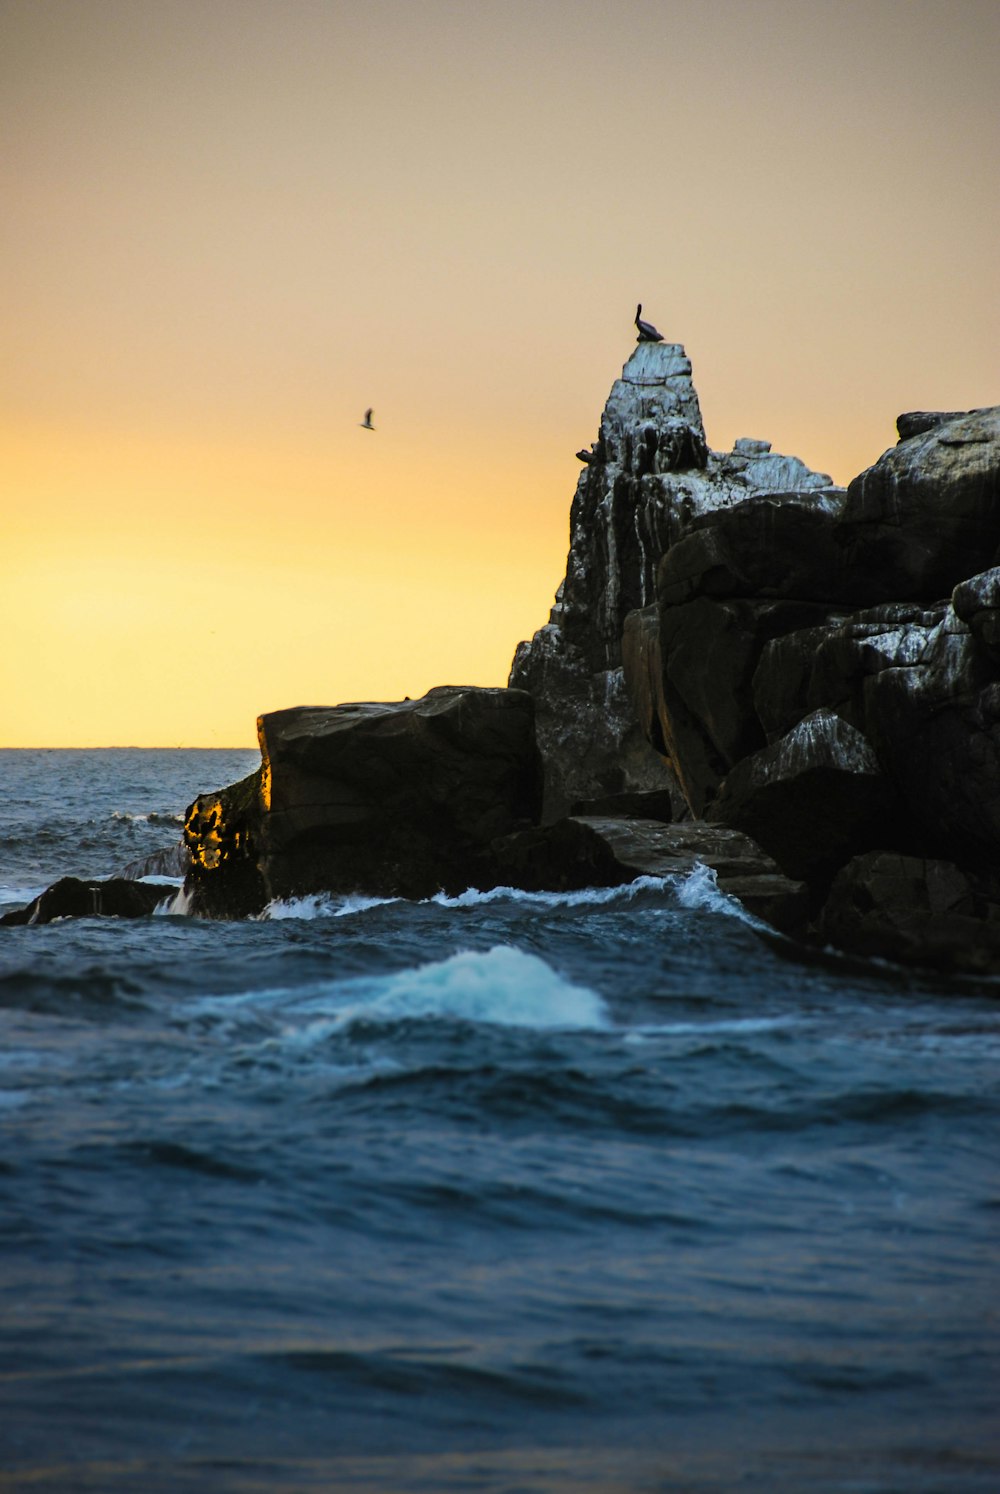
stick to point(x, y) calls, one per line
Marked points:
point(593, 897)
point(694, 890)
point(322, 905)
point(153, 817)
point(504, 986)
point(700, 889)
point(329, 905)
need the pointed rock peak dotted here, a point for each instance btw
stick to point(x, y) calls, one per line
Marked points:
point(656, 362)
point(655, 391)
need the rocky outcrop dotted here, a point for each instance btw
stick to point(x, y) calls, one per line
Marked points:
point(222, 835)
point(647, 480)
point(401, 798)
point(812, 798)
point(927, 514)
point(74, 897)
point(823, 669)
point(914, 911)
point(746, 667)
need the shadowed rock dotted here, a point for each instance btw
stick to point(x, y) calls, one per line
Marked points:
point(811, 799)
point(710, 652)
point(912, 910)
point(393, 798)
point(74, 897)
point(927, 514)
point(774, 546)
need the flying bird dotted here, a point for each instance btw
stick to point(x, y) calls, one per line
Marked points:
point(647, 332)
point(366, 424)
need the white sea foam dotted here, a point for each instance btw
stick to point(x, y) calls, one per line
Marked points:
point(178, 906)
point(323, 905)
point(505, 986)
point(700, 889)
point(733, 1027)
point(585, 897)
point(152, 818)
point(694, 889)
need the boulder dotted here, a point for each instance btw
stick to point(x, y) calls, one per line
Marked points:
point(976, 603)
point(709, 651)
point(912, 910)
point(812, 799)
point(401, 798)
point(934, 720)
point(827, 666)
point(776, 545)
point(926, 516)
point(74, 897)
point(916, 422)
point(222, 834)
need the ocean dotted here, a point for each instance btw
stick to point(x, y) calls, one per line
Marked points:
point(598, 1191)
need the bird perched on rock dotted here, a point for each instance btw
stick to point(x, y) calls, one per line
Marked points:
point(366, 424)
point(647, 332)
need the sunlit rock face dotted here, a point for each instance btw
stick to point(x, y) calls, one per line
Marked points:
point(647, 478)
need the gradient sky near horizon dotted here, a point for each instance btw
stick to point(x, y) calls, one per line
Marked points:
point(229, 226)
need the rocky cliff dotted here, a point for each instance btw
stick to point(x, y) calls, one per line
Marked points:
point(816, 667)
point(647, 478)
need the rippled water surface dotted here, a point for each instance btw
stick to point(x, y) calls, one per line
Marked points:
point(598, 1191)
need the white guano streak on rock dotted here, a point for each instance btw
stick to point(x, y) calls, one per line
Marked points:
point(823, 739)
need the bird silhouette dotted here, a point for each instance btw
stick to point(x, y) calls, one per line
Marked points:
point(366, 424)
point(647, 332)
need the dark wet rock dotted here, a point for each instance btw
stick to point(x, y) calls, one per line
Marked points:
point(391, 798)
point(977, 604)
point(710, 651)
point(781, 687)
point(934, 720)
point(811, 799)
point(75, 897)
point(778, 545)
point(655, 806)
point(597, 850)
point(222, 834)
point(914, 911)
point(826, 666)
point(926, 516)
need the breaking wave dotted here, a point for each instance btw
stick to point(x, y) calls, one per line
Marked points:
point(504, 986)
point(694, 889)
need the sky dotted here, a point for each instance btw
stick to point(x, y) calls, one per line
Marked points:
point(230, 226)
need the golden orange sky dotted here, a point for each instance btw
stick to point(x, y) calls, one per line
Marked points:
point(229, 226)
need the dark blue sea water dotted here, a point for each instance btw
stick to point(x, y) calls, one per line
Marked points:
point(600, 1191)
